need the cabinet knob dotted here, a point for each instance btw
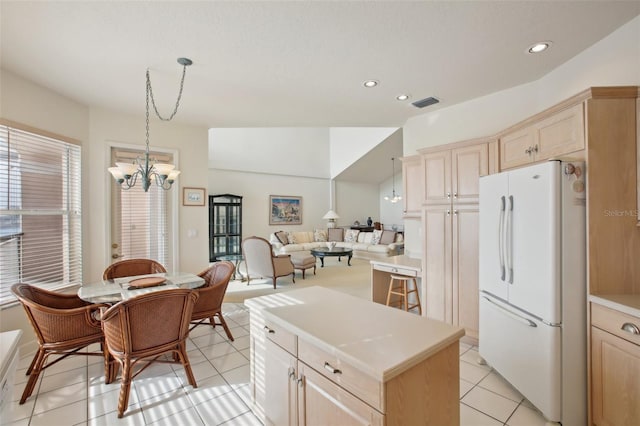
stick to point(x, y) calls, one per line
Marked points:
point(630, 328)
point(448, 195)
point(269, 330)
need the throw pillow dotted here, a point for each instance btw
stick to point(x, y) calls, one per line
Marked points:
point(282, 237)
point(376, 237)
point(387, 237)
point(320, 235)
point(334, 234)
point(292, 238)
point(351, 235)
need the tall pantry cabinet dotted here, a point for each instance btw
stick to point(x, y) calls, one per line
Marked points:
point(450, 225)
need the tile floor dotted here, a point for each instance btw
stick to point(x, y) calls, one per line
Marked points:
point(73, 392)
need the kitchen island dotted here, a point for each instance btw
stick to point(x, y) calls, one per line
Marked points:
point(319, 356)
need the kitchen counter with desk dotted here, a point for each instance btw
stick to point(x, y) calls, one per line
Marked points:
point(381, 271)
point(337, 359)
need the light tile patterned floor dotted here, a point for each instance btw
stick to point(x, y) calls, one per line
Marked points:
point(73, 392)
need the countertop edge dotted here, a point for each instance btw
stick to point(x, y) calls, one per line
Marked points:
point(625, 303)
point(382, 376)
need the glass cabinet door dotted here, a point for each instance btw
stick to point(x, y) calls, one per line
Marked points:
point(225, 225)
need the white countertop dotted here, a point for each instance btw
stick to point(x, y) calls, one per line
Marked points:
point(8, 348)
point(626, 303)
point(380, 341)
point(401, 260)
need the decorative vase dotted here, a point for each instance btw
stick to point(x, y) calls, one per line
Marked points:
point(369, 221)
point(331, 245)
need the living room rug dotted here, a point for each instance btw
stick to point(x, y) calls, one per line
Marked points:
point(354, 280)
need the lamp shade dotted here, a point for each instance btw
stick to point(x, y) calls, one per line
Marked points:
point(331, 215)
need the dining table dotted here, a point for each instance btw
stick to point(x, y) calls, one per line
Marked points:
point(117, 289)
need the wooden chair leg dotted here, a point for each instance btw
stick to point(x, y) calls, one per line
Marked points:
point(389, 292)
point(184, 359)
point(125, 388)
point(224, 325)
point(36, 369)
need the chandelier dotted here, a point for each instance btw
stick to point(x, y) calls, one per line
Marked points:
point(394, 198)
point(127, 174)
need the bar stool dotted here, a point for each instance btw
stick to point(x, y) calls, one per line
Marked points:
point(401, 290)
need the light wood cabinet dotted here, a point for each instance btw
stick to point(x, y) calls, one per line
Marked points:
point(386, 376)
point(323, 402)
point(451, 265)
point(559, 134)
point(280, 386)
point(452, 175)
point(615, 367)
point(412, 185)
point(450, 224)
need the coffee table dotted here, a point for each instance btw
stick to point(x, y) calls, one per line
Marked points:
point(335, 252)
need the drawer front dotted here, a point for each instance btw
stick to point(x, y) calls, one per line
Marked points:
point(613, 322)
point(281, 337)
point(345, 375)
point(397, 270)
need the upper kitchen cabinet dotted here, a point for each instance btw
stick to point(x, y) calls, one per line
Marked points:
point(451, 175)
point(412, 185)
point(549, 134)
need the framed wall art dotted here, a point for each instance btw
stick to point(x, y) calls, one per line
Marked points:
point(285, 210)
point(193, 196)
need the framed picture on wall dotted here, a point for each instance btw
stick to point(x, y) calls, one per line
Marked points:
point(193, 196)
point(285, 210)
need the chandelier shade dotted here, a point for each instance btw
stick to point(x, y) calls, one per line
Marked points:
point(394, 198)
point(147, 171)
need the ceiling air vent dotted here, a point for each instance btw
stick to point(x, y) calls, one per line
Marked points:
point(425, 102)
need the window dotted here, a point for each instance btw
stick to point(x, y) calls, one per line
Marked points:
point(40, 211)
point(225, 225)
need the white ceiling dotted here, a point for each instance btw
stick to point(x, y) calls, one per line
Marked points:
point(296, 63)
point(299, 63)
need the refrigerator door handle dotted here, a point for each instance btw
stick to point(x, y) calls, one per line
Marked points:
point(511, 314)
point(500, 237)
point(509, 240)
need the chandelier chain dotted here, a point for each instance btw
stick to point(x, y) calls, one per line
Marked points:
point(153, 102)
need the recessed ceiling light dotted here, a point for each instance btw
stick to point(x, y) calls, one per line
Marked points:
point(402, 97)
point(541, 46)
point(370, 83)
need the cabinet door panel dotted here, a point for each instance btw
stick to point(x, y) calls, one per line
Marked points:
point(615, 370)
point(468, 164)
point(437, 177)
point(279, 386)
point(437, 262)
point(322, 402)
point(561, 133)
point(465, 268)
point(412, 185)
point(514, 146)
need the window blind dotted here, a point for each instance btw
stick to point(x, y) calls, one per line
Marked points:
point(40, 211)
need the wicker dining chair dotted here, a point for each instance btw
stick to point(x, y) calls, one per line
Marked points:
point(132, 267)
point(64, 324)
point(209, 304)
point(138, 331)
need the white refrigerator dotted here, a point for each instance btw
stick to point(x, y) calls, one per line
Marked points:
point(533, 285)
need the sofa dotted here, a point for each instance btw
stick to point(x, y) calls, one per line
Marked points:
point(365, 245)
